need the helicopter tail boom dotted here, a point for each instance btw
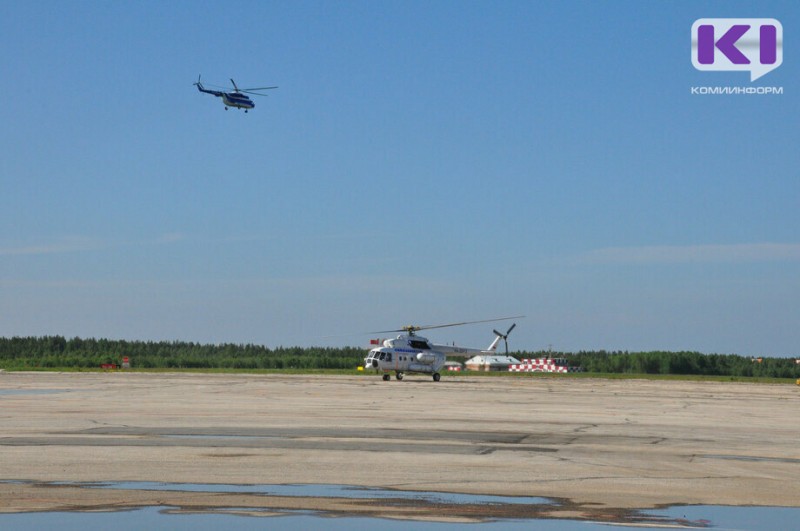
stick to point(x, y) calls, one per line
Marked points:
point(201, 88)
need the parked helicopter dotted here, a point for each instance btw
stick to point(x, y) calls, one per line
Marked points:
point(415, 354)
point(238, 98)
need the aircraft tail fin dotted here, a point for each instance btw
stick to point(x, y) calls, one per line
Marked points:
point(498, 336)
point(493, 346)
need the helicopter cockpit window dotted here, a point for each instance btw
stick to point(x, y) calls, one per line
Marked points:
point(416, 343)
point(388, 356)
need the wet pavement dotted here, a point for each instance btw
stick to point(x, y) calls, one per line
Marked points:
point(593, 450)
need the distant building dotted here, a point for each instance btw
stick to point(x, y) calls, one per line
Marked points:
point(490, 363)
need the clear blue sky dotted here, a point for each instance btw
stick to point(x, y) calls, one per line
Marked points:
point(421, 162)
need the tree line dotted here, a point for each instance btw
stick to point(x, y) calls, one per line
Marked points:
point(56, 351)
point(685, 362)
point(59, 352)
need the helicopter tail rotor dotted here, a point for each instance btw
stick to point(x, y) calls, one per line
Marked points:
point(504, 337)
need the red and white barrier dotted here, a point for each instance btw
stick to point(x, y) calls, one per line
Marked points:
point(543, 365)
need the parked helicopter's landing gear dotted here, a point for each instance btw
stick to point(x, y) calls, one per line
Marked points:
point(436, 377)
point(387, 377)
point(399, 376)
point(245, 111)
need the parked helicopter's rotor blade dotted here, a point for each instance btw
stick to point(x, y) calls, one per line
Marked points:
point(511, 328)
point(429, 327)
point(498, 334)
point(406, 329)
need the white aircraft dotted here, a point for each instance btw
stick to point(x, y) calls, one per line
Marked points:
point(415, 354)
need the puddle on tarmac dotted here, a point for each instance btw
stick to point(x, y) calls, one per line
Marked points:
point(220, 437)
point(728, 518)
point(326, 491)
point(15, 392)
point(160, 518)
point(756, 459)
point(438, 503)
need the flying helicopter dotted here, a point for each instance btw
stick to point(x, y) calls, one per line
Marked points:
point(237, 98)
point(410, 353)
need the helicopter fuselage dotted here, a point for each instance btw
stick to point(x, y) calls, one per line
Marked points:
point(414, 354)
point(405, 354)
point(230, 99)
point(238, 100)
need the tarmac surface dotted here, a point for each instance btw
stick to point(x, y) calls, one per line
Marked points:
point(598, 448)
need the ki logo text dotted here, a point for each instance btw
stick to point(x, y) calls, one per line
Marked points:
point(754, 45)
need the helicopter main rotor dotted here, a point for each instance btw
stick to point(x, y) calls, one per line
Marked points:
point(250, 90)
point(412, 329)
